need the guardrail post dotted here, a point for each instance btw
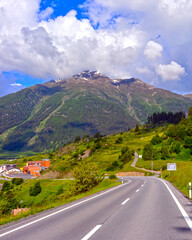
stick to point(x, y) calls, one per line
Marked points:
point(190, 190)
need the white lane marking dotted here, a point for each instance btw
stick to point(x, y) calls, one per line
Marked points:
point(62, 210)
point(137, 190)
point(185, 215)
point(142, 185)
point(125, 201)
point(91, 232)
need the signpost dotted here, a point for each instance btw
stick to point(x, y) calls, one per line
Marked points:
point(171, 167)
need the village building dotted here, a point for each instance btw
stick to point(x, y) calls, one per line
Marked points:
point(34, 167)
point(9, 168)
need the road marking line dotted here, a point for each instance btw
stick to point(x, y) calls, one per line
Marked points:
point(142, 185)
point(62, 210)
point(125, 201)
point(137, 190)
point(95, 229)
point(185, 215)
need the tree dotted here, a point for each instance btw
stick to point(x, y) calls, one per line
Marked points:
point(156, 140)
point(6, 186)
point(77, 139)
point(164, 152)
point(137, 128)
point(35, 190)
point(190, 112)
point(149, 152)
point(188, 142)
point(17, 181)
point(97, 135)
point(126, 155)
point(86, 177)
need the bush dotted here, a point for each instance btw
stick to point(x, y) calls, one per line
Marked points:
point(35, 190)
point(156, 140)
point(86, 177)
point(137, 128)
point(114, 166)
point(77, 139)
point(164, 152)
point(6, 186)
point(60, 191)
point(188, 142)
point(112, 176)
point(17, 181)
point(149, 152)
point(119, 140)
point(95, 147)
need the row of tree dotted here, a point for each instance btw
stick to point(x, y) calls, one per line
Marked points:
point(169, 117)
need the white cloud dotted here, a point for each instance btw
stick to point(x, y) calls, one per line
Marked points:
point(171, 71)
point(33, 44)
point(153, 50)
point(16, 85)
point(45, 14)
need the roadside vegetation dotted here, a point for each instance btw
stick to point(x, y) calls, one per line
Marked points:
point(78, 169)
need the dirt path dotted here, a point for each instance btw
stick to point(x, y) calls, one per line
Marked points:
point(147, 170)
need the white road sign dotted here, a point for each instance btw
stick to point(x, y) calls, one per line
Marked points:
point(171, 166)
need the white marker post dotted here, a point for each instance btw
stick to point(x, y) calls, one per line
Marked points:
point(190, 190)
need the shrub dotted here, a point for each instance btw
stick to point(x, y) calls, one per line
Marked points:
point(164, 152)
point(149, 152)
point(35, 190)
point(77, 139)
point(112, 176)
point(86, 177)
point(156, 140)
point(95, 147)
point(60, 191)
point(126, 157)
point(137, 128)
point(119, 140)
point(17, 181)
point(188, 142)
point(114, 166)
point(6, 186)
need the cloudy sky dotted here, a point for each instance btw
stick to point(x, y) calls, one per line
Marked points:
point(42, 40)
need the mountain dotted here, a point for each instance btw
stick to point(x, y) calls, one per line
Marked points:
point(49, 115)
point(188, 95)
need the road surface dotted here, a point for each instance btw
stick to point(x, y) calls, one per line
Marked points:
point(140, 209)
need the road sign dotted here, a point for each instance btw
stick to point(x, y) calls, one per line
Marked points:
point(171, 166)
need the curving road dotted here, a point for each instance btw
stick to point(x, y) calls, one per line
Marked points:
point(140, 209)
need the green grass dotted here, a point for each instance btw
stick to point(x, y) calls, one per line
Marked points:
point(181, 177)
point(47, 198)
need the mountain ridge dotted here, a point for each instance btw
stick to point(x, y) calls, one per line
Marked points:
point(49, 115)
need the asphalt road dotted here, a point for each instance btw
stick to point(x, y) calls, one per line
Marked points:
point(141, 209)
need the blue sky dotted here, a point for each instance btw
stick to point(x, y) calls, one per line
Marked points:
point(43, 40)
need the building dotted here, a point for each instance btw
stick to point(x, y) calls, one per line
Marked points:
point(9, 168)
point(34, 167)
point(34, 170)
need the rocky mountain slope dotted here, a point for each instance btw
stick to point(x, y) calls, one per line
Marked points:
point(49, 115)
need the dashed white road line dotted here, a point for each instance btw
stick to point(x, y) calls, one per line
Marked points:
point(61, 210)
point(137, 190)
point(142, 185)
point(123, 203)
point(95, 229)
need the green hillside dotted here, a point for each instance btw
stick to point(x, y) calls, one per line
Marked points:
point(101, 156)
point(44, 117)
